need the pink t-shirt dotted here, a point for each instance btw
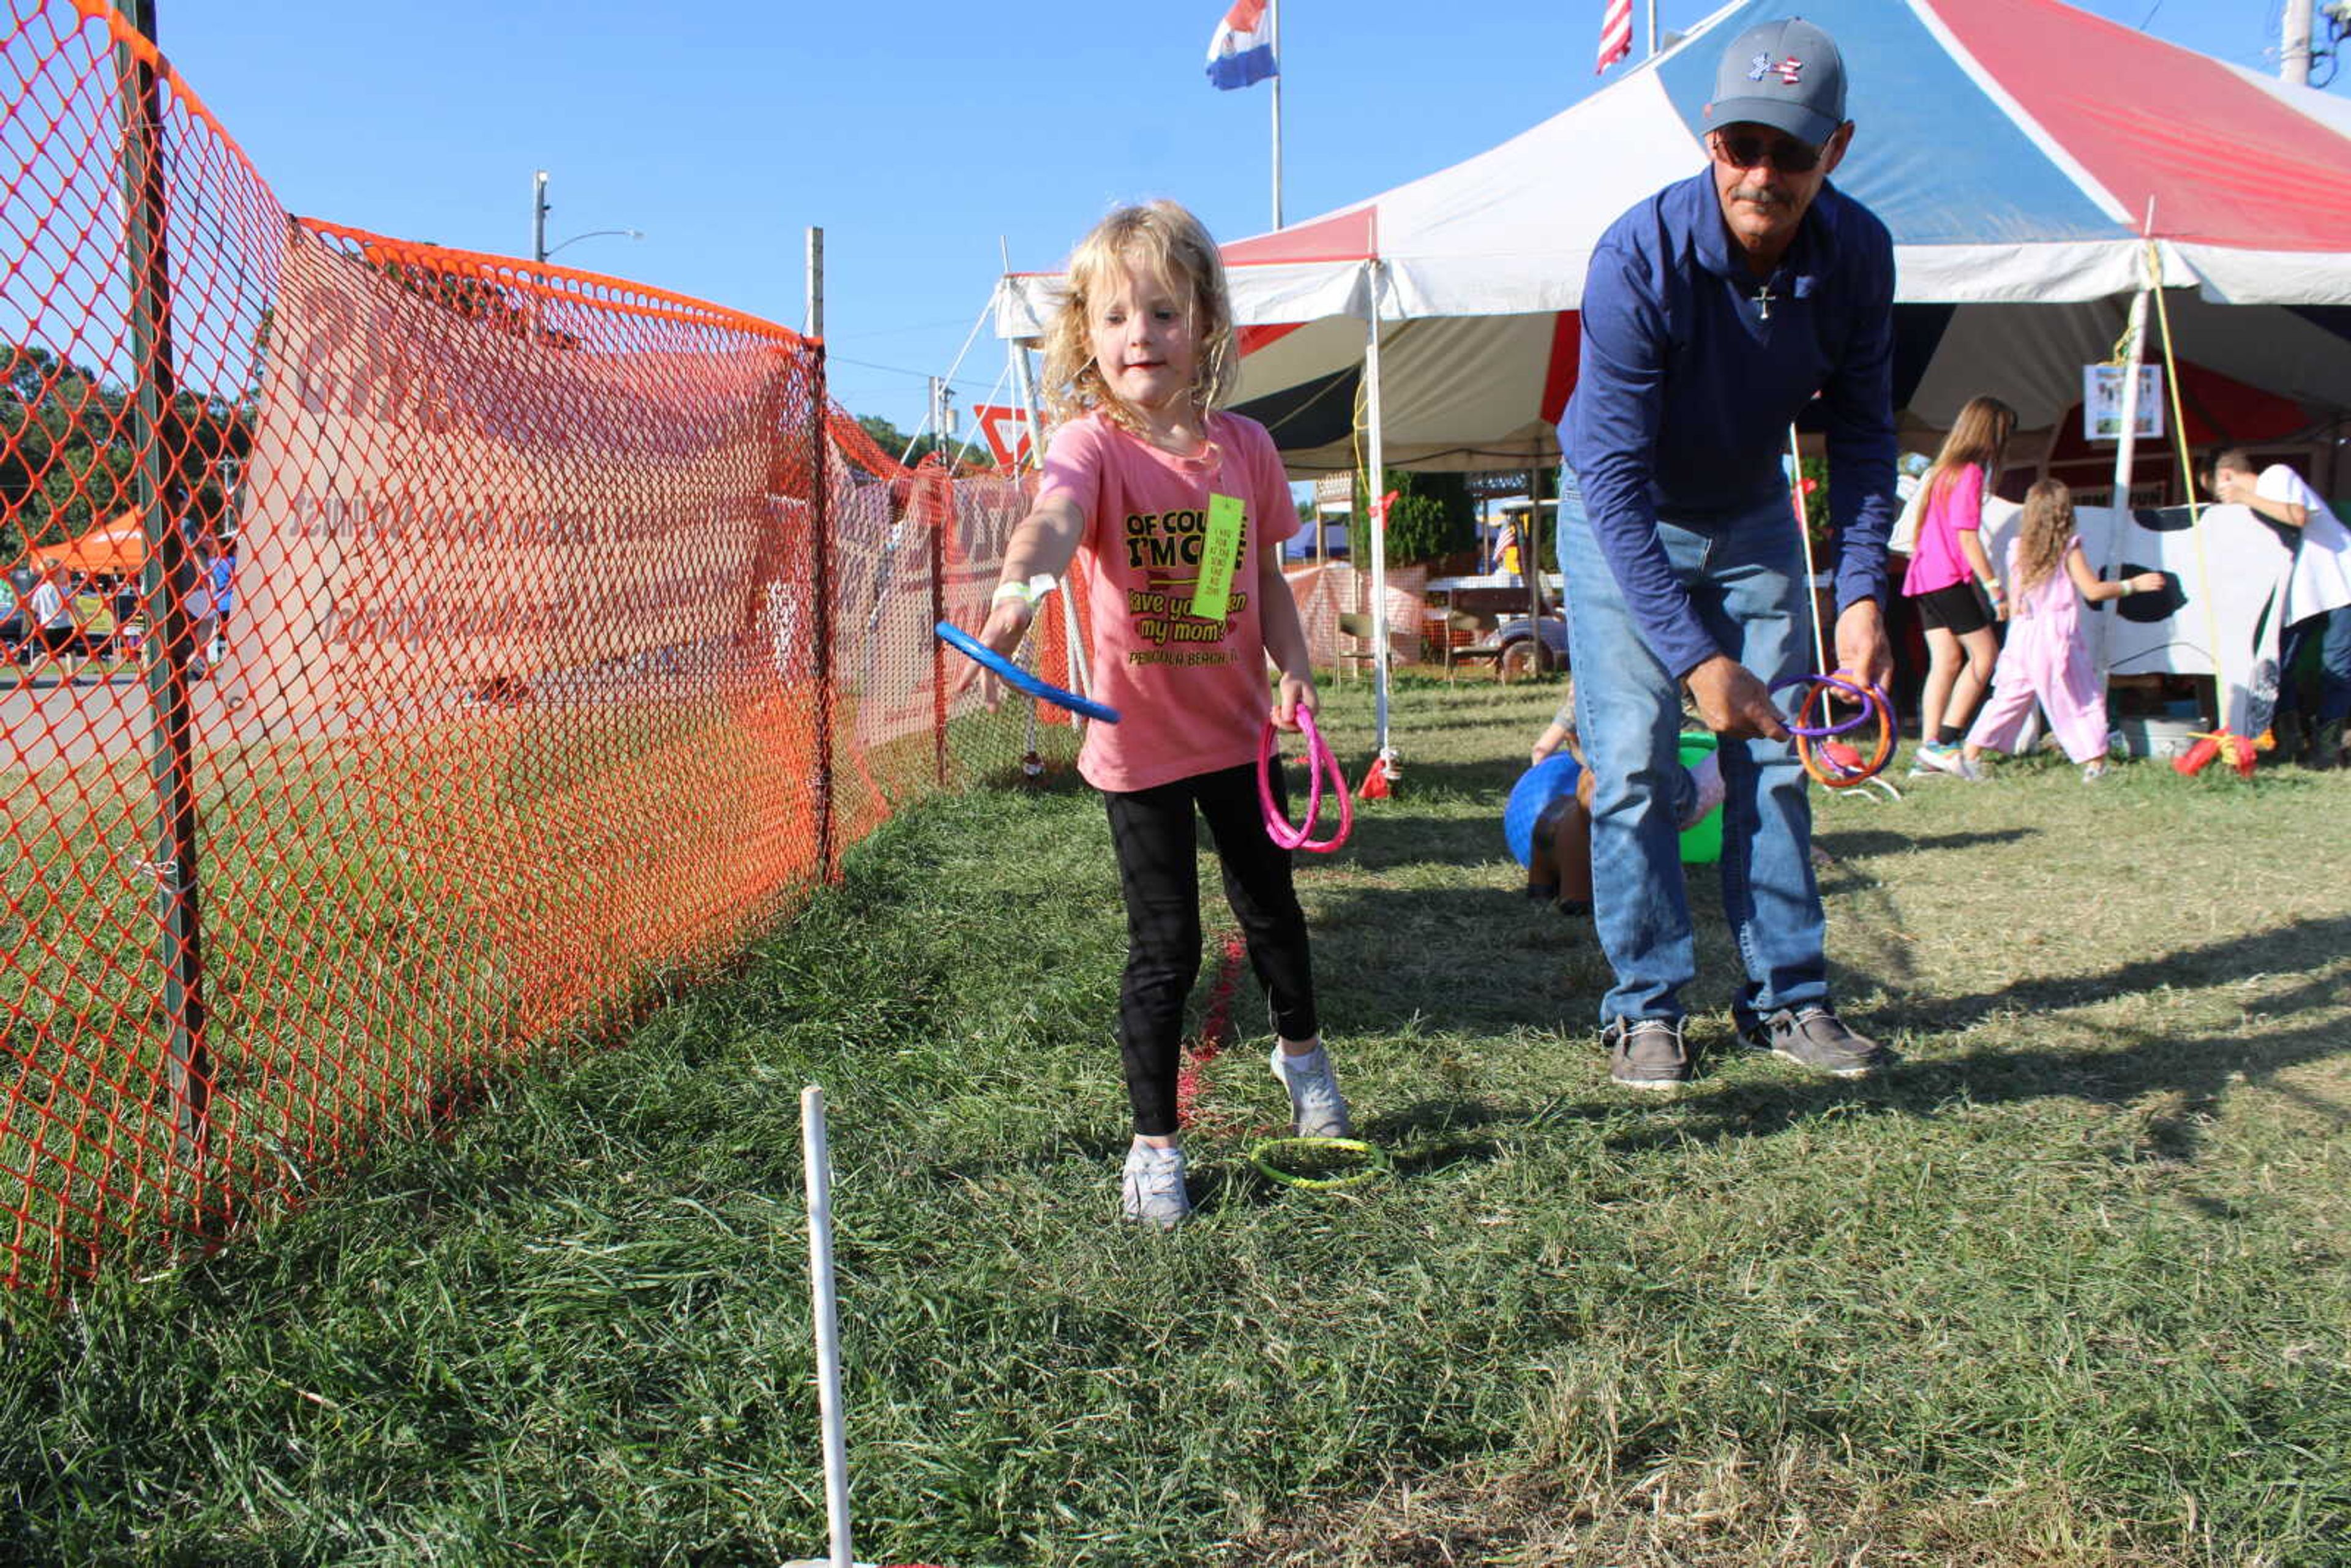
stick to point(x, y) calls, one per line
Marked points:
point(1955, 509)
point(1192, 694)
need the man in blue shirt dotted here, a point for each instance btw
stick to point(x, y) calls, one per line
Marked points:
point(1713, 313)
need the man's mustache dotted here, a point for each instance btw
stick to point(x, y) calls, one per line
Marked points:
point(1759, 195)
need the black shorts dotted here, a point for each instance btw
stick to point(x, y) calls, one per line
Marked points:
point(1959, 609)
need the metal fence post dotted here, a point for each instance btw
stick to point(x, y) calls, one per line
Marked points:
point(171, 642)
point(821, 521)
point(938, 532)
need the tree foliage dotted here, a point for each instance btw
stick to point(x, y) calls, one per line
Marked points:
point(1433, 515)
point(893, 441)
point(69, 456)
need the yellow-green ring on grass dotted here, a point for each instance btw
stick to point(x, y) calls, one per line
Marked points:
point(1376, 1162)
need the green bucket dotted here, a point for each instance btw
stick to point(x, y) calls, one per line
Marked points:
point(1702, 845)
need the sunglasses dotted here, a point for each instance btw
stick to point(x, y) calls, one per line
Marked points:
point(1746, 150)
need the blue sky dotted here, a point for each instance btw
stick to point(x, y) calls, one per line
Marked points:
point(916, 134)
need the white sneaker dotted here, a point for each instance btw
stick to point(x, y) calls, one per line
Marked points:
point(1151, 1188)
point(1317, 1109)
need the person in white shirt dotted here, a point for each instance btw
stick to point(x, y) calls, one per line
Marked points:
point(2317, 602)
point(50, 615)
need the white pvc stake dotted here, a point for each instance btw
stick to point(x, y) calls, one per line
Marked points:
point(818, 1156)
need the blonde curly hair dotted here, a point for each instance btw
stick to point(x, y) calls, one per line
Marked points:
point(1163, 237)
point(2045, 535)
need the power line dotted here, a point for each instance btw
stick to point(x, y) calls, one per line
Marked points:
point(895, 370)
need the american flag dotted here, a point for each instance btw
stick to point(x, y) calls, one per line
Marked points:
point(1616, 33)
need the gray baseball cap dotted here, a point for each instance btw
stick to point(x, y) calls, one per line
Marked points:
point(1786, 74)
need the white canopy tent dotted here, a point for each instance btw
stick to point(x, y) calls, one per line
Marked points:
point(2015, 148)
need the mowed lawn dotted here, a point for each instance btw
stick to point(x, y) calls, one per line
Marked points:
point(2069, 1286)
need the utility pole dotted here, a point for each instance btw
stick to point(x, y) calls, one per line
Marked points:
point(538, 218)
point(2293, 48)
point(815, 322)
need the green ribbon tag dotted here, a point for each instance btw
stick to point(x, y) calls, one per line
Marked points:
point(1220, 558)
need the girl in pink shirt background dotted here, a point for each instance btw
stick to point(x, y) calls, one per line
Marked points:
point(1136, 359)
point(1950, 579)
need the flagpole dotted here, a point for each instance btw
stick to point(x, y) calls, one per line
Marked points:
point(1277, 112)
point(1652, 30)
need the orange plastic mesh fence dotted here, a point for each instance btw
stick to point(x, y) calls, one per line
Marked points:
point(413, 656)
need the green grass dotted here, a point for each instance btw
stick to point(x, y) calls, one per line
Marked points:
point(2068, 1287)
point(365, 964)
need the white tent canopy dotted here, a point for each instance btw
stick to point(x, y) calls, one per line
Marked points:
point(2017, 149)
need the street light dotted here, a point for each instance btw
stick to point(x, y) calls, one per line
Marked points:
point(539, 249)
point(591, 233)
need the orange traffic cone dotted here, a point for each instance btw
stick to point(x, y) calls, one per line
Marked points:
point(1375, 781)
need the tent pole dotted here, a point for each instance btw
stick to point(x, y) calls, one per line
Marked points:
point(1024, 387)
point(1379, 513)
point(2126, 443)
point(1529, 545)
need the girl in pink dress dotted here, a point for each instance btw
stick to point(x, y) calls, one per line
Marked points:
point(2047, 658)
point(1138, 475)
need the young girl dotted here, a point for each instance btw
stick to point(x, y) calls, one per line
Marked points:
point(1944, 574)
point(2047, 659)
point(1140, 472)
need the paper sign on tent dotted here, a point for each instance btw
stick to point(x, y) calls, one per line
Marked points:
point(1007, 432)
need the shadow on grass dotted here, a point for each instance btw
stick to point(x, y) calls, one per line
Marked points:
point(1382, 841)
point(1508, 963)
point(2196, 1070)
point(1844, 844)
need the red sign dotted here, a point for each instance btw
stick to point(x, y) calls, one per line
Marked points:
point(1007, 432)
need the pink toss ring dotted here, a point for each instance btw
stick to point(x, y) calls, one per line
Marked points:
point(1318, 761)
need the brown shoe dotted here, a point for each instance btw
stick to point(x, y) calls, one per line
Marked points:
point(1648, 1053)
point(1814, 1035)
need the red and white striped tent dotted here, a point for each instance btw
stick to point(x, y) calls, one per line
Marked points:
point(2017, 149)
point(2014, 147)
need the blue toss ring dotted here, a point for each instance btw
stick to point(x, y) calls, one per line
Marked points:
point(1012, 674)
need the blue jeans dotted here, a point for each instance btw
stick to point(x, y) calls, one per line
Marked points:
point(2332, 628)
point(1746, 577)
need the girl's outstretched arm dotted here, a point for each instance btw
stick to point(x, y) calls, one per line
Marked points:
point(2077, 567)
point(1043, 544)
point(1285, 642)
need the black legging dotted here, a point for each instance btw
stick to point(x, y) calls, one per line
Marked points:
point(1159, 878)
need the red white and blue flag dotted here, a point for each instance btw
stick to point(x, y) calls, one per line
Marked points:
point(1243, 50)
point(1616, 33)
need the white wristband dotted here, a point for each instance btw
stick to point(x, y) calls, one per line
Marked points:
point(1028, 592)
